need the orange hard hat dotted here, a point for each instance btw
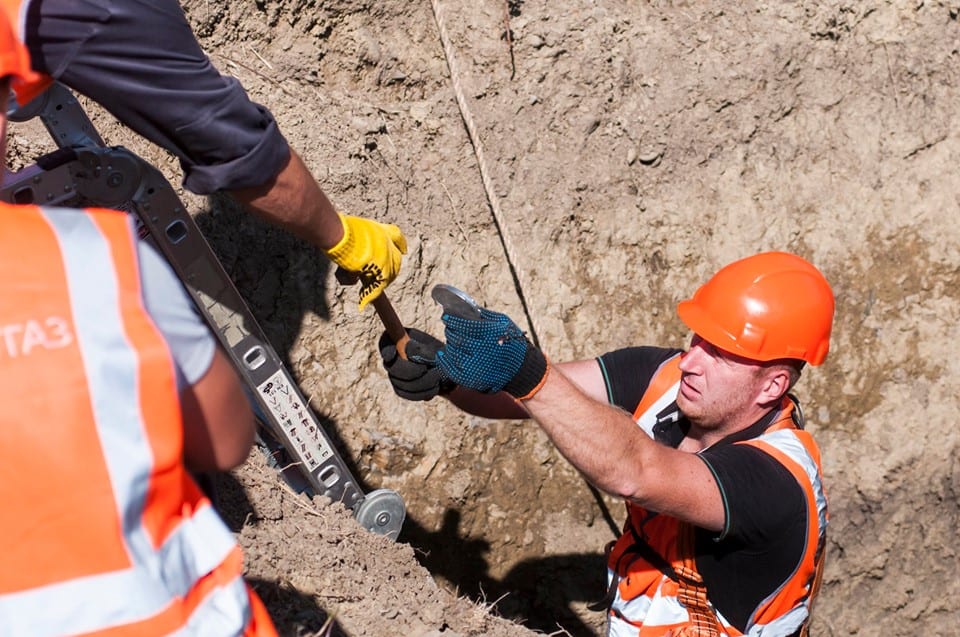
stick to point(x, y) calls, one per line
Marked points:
point(767, 306)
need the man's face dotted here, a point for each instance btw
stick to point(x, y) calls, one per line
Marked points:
point(716, 387)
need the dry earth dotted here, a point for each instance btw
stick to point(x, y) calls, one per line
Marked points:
point(624, 151)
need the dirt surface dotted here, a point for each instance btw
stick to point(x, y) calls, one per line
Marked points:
point(623, 152)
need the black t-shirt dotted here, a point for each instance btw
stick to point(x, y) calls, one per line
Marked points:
point(764, 536)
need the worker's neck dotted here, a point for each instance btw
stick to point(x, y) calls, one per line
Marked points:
point(701, 436)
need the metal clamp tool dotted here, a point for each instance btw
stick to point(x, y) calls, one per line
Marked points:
point(455, 301)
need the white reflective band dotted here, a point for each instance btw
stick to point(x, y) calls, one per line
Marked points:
point(787, 441)
point(649, 418)
point(110, 363)
point(122, 597)
point(224, 613)
point(655, 610)
point(783, 626)
point(197, 547)
point(22, 19)
point(616, 627)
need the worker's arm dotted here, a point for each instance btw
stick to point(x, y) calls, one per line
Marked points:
point(218, 424)
point(491, 355)
point(585, 374)
point(142, 62)
point(617, 456)
point(294, 200)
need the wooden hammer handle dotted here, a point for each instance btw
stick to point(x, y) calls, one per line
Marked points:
point(392, 323)
point(388, 316)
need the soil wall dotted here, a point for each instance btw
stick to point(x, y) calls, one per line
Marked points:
point(623, 151)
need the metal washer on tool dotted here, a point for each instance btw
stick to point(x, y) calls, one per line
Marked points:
point(381, 511)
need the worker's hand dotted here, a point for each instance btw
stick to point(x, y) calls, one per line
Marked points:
point(371, 250)
point(415, 377)
point(491, 354)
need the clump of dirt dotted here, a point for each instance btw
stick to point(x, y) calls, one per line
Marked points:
point(621, 152)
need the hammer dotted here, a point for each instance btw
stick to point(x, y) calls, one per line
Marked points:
point(392, 323)
point(388, 316)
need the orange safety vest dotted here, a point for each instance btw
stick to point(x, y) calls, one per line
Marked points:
point(647, 601)
point(32, 84)
point(105, 532)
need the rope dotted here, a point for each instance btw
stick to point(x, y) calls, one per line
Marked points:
point(498, 221)
point(492, 200)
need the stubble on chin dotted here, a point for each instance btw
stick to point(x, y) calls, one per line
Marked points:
point(688, 409)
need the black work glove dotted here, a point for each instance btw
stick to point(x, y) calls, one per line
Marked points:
point(417, 376)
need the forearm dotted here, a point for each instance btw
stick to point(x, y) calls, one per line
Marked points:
point(218, 424)
point(294, 200)
point(499, 406)
point(602, 442)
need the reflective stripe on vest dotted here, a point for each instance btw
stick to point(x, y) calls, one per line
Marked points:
point(660, 393)
point(645, 601)
point(796, 451)
point(111, 535)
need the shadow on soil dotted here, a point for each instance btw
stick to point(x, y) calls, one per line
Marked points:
point(294, 613)
point(535, 593)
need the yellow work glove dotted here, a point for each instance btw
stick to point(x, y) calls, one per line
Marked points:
point(371, 250)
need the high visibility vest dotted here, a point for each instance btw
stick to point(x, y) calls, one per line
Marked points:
point(661, 590)
point(104, 532)
point(33, 84)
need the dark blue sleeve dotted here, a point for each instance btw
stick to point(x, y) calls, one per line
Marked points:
point(141, 61)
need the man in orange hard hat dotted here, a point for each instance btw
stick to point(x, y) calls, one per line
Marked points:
point(113, 391)
point(726, 510)
point(141, 61)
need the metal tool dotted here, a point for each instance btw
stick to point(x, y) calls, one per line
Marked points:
point(455, 301)
point(84, 173)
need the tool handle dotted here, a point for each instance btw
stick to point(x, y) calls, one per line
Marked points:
point(388, 316)
point(392, 323)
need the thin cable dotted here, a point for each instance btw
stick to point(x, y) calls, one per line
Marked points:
point(498, 221)
point(492, 199)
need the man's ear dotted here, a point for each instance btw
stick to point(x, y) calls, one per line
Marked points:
point(776, 383)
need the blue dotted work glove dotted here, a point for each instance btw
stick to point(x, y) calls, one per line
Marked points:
point(490, 354)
